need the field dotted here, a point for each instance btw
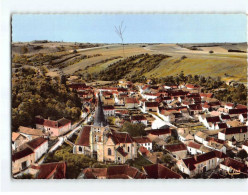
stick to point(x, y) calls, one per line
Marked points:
point(228, 65)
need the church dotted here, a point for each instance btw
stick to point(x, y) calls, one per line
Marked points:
point(103, 143)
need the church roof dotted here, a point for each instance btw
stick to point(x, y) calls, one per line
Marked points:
point(99, 114)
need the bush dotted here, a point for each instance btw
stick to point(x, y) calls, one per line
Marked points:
point(242, 154)
point(211, 51)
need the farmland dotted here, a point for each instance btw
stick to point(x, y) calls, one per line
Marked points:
point(228, 65)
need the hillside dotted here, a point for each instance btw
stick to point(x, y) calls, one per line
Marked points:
point(98, 58)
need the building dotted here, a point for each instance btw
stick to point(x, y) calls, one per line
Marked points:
point(158, 133)
point(238, 133)
point(138, 119)
point(150, 107)
point(22, 160)
point(200, 163)
point(233, 166)
point(179, 151)
point(112, 172)
point(31, 133)
point(109, 110)
point(104, 144)
point(54, 170)
point(131, 103)
point(54, 128)
point(144, 141)
point(18, 139)
point(159, 171)
point(39, 146)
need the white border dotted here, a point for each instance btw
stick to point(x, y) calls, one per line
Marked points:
point(103, 6)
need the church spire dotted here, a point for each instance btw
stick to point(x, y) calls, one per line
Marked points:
point(99, 114)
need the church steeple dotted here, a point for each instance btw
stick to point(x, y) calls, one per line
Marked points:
point(99, 114)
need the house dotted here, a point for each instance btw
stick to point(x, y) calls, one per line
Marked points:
point(18, 139)
point(22, 160)
point(166, 115)
point(229, 106)
point(31, 133)
point(195, 109)
point(112, 172)
point(150, 106)
point(159, 171)
point(220, 126)
point(179, 151)
point(191, 86)
point(195, 148)
point(54, 128)
point(54, 170)
point(234, 113)
point(109, 110)
point(39, 146)
point(233, 166)
point(138, 119)
point(131, 103)
point(158, 133)
point(200, 137)
point(225, 117)
point(200, 163)
point(144, 141)
point(212, 144)
point(185, 137)
point(239, 133)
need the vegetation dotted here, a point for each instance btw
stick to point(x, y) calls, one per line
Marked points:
point(74, 162)
point(132, 67)
point(242, 154)
point(138, 162)
point(134, 129)
point(34, 94)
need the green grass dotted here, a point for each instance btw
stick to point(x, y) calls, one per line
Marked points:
point(139, 162)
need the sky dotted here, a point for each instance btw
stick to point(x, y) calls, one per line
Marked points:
point(140, 28)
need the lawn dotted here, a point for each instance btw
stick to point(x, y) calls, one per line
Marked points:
point(139, 162)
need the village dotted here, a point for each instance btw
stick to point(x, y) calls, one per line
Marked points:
point(139, 131)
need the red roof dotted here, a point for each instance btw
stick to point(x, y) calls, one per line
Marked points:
point(208, 95)
point(114, 172)
point(191, 86)
point(50, 123)
point(195, 107)
point(143, 150)
point(22, 153)
point(142, 140)
point(121, 151)
point(176, 147)
point(194, 145)
point(84, 137)
point(55, 170)
point(238, 111)
point(159, 131)
point(229, 162)
point(234, 130)
point(190, 162)
point(131, 100)
point(138, 118)
point(151, 104)
point(213, 119)
point(121, 137)
point(35, 143)
point(159, 171)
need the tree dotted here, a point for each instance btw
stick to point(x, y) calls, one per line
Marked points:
point(242, 154)
point(119, 31)
point(134, 129)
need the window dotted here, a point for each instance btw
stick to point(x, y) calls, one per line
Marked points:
point(109, 152)
point(80, 149)
point(128, 149)
point(119, 158)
